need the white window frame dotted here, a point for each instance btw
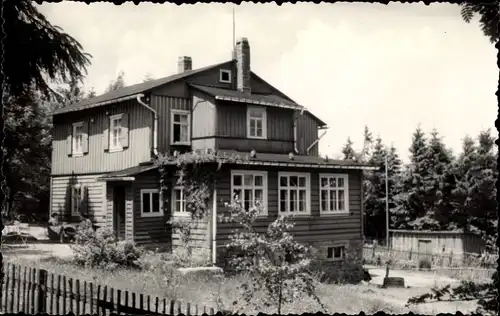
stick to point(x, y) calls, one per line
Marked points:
point(76, 209)
point(225, 71)
point(160, 204)
point(307, 211)
point(342, 253)
point(77, 151)
point(112, 126)
point(172, 123)
point(263, 119)
point(345, 188)
point(242, 173)
point(184, 212)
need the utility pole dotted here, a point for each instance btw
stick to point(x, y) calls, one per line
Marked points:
point(387, 202)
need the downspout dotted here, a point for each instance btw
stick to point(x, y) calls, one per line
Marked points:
point(315, 142)
point(214, 224)
point(295, 130)
point(155, 124)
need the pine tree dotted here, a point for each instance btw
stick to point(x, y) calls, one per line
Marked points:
point(348, 151)
point(117, 84)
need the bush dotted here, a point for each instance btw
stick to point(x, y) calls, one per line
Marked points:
point(424, 263)
point(347, 271)
point(184, 258)
point(102, 249)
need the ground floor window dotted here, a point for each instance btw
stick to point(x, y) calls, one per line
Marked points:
point(336, 253)
point(250, 187)
point(333, 193)
point(150, 203)
point(179, 202)
point(76, 199)
point(294, 192)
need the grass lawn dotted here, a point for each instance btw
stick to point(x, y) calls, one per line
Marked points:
point(203, 290)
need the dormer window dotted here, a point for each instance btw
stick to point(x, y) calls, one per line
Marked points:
point(256, 122)
point(225, 76)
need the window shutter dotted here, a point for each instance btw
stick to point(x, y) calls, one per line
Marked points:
point(69, 140)
point(84, 204)
point(85, 139)
point(124, 139)
point(105, 133)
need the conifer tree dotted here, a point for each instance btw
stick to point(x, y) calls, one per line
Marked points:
point(348, 151)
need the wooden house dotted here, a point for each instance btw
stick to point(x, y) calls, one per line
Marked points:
point(103, 150)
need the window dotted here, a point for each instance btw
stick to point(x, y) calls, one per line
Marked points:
point(294, 192)
point(180, 127)
point(76, 199)
point(250, 187)
point(78, 139)
point(115, 134)
point(150, 203)
point(225, 76)
point(256, 122)
point(179, 202)
point(334, 193)
point(336, 253)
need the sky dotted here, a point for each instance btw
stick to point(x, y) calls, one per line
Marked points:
point(391, 67)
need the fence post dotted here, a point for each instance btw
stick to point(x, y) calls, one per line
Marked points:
point(42, 291)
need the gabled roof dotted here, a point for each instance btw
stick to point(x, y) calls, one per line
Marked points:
point(131, 90)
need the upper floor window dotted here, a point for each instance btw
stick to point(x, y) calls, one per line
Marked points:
point(250, 187)
point(179, 202)
point(115, 135)
point(256, 122)
point(334, 193)
point(77, 146)
point(294, 193)
point(150, 203)
point(225, 76)
point(180, 127)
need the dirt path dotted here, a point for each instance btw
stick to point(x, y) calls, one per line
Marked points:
point(37, 251)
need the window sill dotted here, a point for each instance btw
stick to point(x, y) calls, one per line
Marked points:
point(77, 155)
point(335, 259)
point(152, 215)
point(114, 150)
point(256, 137)
point(182, 214)
point(181, 144)
point(333, 214)
point(296, 215)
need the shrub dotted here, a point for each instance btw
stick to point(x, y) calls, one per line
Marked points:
point(186, 258)
point(349, 270)
point(424, 263)
point(102, 249)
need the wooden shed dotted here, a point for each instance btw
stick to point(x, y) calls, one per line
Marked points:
point(445, 243)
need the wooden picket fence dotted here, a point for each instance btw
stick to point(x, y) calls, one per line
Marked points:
point(32, 290)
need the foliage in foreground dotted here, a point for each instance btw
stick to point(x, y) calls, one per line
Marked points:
point(102, 249)
point(277, 266)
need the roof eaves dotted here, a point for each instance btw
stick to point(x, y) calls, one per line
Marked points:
point(90, 105)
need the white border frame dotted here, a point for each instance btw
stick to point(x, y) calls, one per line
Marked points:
point(308, 193)
point(151, 214)
point(344, 252)
point(264, 121)
point(265, 186)
point(73, 187)
point(75, 153)
point(345, 176)
point(181, 112)
point(111, 119)
point(172, 203)
point(227, 71)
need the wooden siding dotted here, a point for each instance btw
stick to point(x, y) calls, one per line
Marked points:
point(211, 77)
point(97, 160)
point(260, 145)
point(309, 229)
point(163, 105)
point(61, 197)
point(204, 116)
point(307, 133)
point(203, 143)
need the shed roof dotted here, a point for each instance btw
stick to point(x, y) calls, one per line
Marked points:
point(427, 232)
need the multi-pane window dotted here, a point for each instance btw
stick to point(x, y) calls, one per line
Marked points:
point(179, 201)
point(294, 191)
point(180, 127)
point(333, 193)
point(336, 253)
point(78, 138)
point(250, 187)
point(256, 122)
point(115, 132)
point(76, 199)
point(150, 203)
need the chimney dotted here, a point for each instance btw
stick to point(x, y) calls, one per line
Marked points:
point(184, 63)
point(243, 65)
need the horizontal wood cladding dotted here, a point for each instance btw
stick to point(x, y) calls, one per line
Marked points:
point(163, 105)
point(312, 228)
point(307, 133)
point(204, 116)
point(96, 197)
point(97, 159)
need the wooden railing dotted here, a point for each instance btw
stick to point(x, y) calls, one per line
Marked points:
point(32, 290)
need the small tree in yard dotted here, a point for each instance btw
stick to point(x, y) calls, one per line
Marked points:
point(277, 265)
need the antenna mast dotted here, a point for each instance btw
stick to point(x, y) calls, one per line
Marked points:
point(234, 40)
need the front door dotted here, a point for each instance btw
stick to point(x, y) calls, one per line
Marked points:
point(119, 211)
